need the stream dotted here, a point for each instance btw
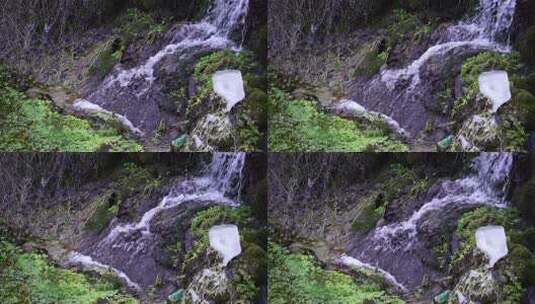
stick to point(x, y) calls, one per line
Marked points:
point(396, 251)
point(136, 93)
point(130, 250)
point(407, 94)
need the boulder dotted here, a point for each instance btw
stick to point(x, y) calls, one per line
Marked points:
point(480, 132)
point(476, 286)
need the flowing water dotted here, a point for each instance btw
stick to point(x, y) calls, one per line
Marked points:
point(409, 95)
point(397, 248)
point(130, 248)
point(488, 29)
point(132, 92)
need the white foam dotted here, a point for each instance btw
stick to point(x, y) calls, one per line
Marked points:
point(354, 263)
point(87, 262)
point(493, 242)
point(495, 86)
point(229, 85)
point(87, 107)
point(225, 239)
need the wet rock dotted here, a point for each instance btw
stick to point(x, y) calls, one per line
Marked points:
point(480, 132)
point(210, 285)
point(94, 111)
point(213, 130)
point(477, 286)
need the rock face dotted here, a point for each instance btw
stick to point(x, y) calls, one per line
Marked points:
point(213, 130)
point(495, 86)
point(476, 286)
point(229, 85)
point(211, 285)
point(225, 239)
point(493, 242)
point(478, 131)
point(92, 110)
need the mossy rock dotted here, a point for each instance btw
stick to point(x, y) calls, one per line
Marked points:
point(526, 45)
point(106, 209)
point(524, 102)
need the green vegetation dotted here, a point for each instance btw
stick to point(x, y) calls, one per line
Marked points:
point(207, 218)
point(298, 279)
point(248, 271)
point(29, 278)
point(296, 125)
point(478, 64)
point(518, 268)
point(32, 125)
point(135, 178)
point(372, 209)
point(133, 25)
point(106, 209)
point(250, 114)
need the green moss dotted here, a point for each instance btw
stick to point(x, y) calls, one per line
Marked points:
point(106, 209)
point(296, 125)
point(371, 64)
point(29, 278)
point(207, 218)
point(372, 209)
point(34, 126)
point(517, 266)
point(478, 64)
point(295, 278)
point(137, 179)
point(108, 55)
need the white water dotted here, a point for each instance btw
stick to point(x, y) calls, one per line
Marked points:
point(350, 108)
point(86, 107)
point(493, 242)
point(219, 182)
point(212, 31)
point(487, 186)
point(354, 263)
point(225, 239)
point(487, 30)
point(87, 262)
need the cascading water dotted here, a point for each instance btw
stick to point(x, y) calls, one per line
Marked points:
point(485, 187)
point(124, 88)
point(487, 30)
point(130, 246)
point(395, 246)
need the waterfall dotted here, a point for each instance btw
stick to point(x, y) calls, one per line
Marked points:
point(123, 88)
point(393, 250)
point(131, 245)
point(488, 29)
point(487, 186)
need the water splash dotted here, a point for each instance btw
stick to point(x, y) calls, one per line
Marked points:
point(220, 182)
point(133, 245)
point(87, 262)
point(355, 263)
point(487, 186)
point(212, 31)
point(488, 29)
